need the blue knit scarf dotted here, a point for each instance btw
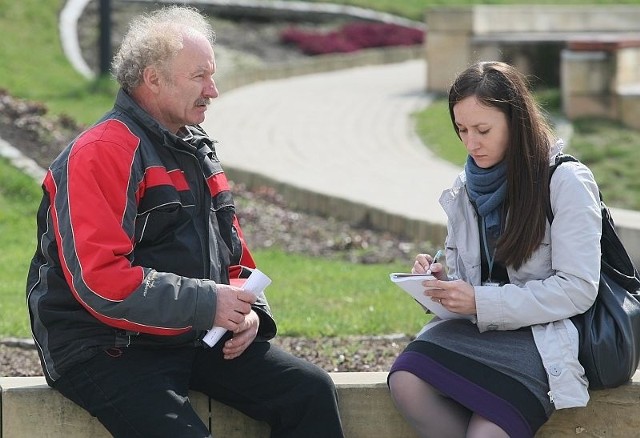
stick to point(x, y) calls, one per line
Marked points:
point(487, 189)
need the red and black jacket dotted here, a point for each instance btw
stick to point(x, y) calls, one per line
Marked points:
point(135, 227)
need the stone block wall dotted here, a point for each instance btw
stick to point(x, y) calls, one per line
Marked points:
point(596, 51)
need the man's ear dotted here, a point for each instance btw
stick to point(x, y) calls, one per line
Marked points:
point(151, 78)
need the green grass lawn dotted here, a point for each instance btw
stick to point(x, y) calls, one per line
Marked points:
point(34, 67)
point(314, 297)
point(19, 198)
point(611, 151)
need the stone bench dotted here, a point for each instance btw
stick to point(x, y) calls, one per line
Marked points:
point(601, 78)
point(31, 409)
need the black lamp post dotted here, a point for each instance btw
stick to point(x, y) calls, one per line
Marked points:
point(104, 42)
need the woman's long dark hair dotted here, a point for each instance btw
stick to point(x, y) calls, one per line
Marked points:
point(501, 86)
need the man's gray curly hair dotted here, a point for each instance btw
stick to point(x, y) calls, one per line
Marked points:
point(154, 40)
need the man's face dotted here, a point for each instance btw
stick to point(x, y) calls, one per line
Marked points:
point(188, 87)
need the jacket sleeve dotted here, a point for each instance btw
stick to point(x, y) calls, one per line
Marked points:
point(561, 278)
point(93, 216)
point(238, 274)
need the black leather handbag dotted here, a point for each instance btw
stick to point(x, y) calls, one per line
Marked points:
point(610, 330)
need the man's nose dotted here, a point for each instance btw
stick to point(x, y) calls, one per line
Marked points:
point(211, 90)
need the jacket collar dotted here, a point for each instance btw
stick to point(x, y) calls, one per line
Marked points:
point(192, 138)
point(125, 103)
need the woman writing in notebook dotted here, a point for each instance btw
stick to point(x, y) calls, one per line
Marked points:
point(507, 369)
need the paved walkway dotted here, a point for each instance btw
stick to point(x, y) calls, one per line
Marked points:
point(346, 134)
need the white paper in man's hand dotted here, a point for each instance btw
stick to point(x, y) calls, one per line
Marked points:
point(256, 283)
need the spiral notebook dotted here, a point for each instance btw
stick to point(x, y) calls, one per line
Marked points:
point(412, 284)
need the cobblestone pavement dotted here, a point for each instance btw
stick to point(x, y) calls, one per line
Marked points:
point(347, 134)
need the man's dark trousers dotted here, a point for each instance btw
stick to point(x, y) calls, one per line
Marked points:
point(140, 392)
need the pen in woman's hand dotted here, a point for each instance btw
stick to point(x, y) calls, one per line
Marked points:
point(436, 259)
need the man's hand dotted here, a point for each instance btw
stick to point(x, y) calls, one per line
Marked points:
point(233, 305)
point(242, 337)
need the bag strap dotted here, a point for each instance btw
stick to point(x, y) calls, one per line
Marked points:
point(615, 260)
point(560, 158)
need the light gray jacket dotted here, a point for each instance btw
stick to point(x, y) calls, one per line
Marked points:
point(560, 279)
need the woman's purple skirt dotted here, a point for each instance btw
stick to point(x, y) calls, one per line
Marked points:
point(498, 375)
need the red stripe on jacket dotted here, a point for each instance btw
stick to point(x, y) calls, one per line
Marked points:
point(218, 183)
point(96, 175)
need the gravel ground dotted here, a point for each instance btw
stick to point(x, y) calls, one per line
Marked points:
point(19, 357)
point(267, 221)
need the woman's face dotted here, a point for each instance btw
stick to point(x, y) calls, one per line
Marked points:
point(484, 131)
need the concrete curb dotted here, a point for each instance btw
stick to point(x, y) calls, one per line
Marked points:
point(26, 343)
point(20, 161)
point(68, 28)
point(30, 408)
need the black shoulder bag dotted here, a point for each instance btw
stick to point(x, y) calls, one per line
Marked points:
point(610, 329)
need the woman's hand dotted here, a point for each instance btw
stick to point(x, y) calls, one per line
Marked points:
point(424, 264)
point(456, 296)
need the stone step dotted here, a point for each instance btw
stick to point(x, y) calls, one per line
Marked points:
point(30, 408)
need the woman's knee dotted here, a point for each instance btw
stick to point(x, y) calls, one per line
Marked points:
point(406, 387)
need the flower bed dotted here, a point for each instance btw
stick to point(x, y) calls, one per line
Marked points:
point(352, 37)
